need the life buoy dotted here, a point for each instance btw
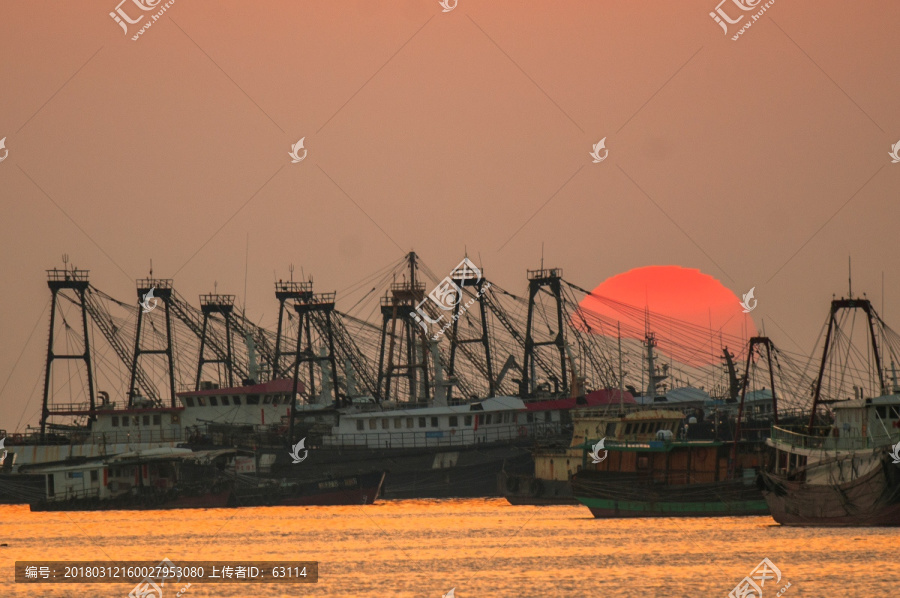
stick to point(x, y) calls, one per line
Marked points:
point(523, 431)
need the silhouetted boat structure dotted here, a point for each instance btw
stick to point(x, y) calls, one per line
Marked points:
point(433, 395)
point(844, 473)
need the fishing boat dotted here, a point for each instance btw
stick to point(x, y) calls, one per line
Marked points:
point(154, 479)
point(344, 490)
point(669, 478)
point(846, 472)
point(676, 472)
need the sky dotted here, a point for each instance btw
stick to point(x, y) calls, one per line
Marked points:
point(762, 162)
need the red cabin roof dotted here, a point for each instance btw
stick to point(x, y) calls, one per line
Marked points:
point(605, 396)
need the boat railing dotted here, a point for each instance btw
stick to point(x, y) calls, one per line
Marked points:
point(449, 438)
point(833, 443)
point(170, 435)
point(75, 494)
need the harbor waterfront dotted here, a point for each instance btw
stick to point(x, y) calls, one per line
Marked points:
point(482, 548)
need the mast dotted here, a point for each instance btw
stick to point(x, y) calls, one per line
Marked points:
point(836, 306)
point(621, 376)
point(77, 281)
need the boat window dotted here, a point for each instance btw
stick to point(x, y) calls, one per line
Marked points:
point(530, 418)
point(409, 422)
point(467, 420)
point(136, 420)
point(454, 421)
point(115, 421)
point(236, 400)
point(94, 476)
point(610, 429)
point(253, 399)
point(434, 422)
point(384, 424)
point(157, 420)
point(373, 423)
point(276, 399)
point(360, 425)
point(146, 420)
point(201, 401)
point(213, 401)
point(398, 422)
point(628, 428)
point(267, 399)
point(421, 422)
point(225, 401)
point(488, 418)
point(548, 416)
point(882, 411)
point(895, 412)
point(188, 401)
point(125, 421)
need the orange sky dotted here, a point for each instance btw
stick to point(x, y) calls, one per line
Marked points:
point(450, 130)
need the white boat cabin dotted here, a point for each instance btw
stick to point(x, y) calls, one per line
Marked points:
point(490, 420)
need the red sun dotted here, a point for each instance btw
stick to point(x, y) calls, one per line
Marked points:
point(687, 295)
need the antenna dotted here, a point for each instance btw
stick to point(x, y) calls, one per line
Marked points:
point(850, 276)
point(246, 269)
point(291, 270)
point(151, 267)
point(542, 255)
